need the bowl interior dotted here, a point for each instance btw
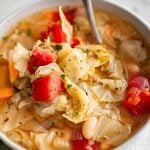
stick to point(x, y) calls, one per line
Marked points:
point(124, 13)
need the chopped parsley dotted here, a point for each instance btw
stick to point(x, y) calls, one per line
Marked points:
point(77, 26)
point(28, 32)
point(117, 40)
point(5, 38)
point(86, 50)
point(18, 32)
point(62, 76)
point(69, 86)
point(37, 104)
point(75, 113)
point(58, 47)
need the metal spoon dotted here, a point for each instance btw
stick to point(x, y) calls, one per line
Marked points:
point(90, 14)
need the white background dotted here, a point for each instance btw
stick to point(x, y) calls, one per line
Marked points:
point(141, 7)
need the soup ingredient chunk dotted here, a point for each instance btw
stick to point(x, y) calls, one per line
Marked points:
point(47, 88)
point(84, 145)
point(138, 95)
point(57, 33)
point(6, 92)
point(69, 13)
point(139, 82)
point(40, 57)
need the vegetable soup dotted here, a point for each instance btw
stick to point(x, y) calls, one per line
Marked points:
point(60, 90)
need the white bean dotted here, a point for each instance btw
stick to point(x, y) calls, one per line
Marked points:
point(133, 68)
point(88, 127)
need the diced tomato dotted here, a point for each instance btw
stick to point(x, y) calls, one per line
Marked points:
point(74, 42)
point(140, 82)
point(138, 95)
point(44, 35)
point(84, 145)
point(145, 97)
point(133, 91)
point(138, 104)
point(47, 88)
point(55, 16)
point(55, 33)
point(70, 15)
point(40, 57)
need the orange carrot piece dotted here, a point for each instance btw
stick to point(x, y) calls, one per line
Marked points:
point(4, 76)
point(13, 73)
point(6, 92)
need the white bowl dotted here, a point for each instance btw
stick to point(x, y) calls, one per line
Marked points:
point(108, 6)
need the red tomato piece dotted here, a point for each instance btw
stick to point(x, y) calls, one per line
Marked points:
point(84, 145)
point(74, 42)
point(47, 88)
point(138, 95)
point(55, 33)
point(40, 57)
point(138, 102)
point(133, 91)
point(145, 101)
point(140, 82)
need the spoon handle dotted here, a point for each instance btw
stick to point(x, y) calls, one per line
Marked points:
point(90, 14)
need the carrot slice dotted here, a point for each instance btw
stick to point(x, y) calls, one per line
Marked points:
point(4, 79)
point(13, 73)
point(6, 92)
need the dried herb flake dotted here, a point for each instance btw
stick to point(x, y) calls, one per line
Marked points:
point(5, 38)
point(28, 32)
point(62, 76)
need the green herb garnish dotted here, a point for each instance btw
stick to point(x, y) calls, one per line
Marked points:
point(58, 47)
point(77, 26)
point(69, 86)
point(75, 113)
point(117, 40)
point(5, 38)
point(62, 76)
point(37, 104)
point(28, 32)
point(86, 50)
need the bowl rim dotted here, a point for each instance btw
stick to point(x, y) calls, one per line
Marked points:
point(140, 19)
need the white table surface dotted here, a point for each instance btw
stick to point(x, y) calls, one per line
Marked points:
point(141, 7)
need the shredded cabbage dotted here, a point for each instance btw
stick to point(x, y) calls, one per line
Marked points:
point(117, 86)
point(66, 26)
point(111, 131)
point(104, 94)
point(20, 57)
point(99, 52)
point(75, 66)
point(80, 107)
